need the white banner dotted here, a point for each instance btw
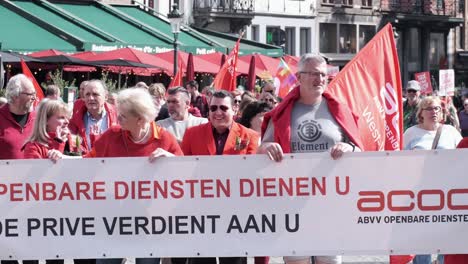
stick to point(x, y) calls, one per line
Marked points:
point(364, 203)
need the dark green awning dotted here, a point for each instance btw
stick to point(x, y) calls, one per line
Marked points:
point(19, 34)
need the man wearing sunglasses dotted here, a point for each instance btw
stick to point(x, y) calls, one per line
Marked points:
point(220, 136)
point(17, 116)
point(413, 93)
point(310, 120)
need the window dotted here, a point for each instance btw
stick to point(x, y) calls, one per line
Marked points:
point(367, 3)
point(328, 1)
point(255, 33)
point(305, 40)
point(437, 56)
point(327, 38)
point(348, 2)
point(347, 40)
point(365, 35)
point(290, 45)
point(414, 52)
point(270, 31)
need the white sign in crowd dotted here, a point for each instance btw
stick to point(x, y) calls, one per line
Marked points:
point(364, 203)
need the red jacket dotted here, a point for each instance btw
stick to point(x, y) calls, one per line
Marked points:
point(36, 150)
point(77, 125)
point(12, 135)
point(281, 117)
point(199, 140)
point(116, 142)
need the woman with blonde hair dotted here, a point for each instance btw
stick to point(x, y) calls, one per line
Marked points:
point(50, 132)
point(158, 93)
point(429, 133)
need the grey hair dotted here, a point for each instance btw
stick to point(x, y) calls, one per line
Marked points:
point(15, 86)
point(309, 58)
point(138, 102)
point(179, 89)
point(97, 83)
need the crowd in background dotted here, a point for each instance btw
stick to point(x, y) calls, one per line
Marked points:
point(152, 121)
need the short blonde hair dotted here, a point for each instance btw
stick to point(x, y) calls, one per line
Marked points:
point(46, 109)
point(137, 102)
point(424, 103)
point(157, 89)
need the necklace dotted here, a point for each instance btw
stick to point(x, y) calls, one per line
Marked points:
point(143, 138)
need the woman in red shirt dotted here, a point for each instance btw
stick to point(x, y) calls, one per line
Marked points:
point(50, 131)
point(137, 135)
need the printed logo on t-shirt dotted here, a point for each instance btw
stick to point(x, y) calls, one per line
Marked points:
point(309, 130)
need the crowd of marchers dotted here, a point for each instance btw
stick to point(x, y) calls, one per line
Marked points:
point(150, 121)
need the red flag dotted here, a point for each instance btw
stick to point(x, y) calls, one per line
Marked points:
point(177, 80)
point(285, 80)
point(37, 87)
point(371, 85)
point(226, 78)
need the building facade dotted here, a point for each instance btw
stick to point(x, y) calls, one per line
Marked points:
point(427, 33)
point(289, 23)
point(430, 34)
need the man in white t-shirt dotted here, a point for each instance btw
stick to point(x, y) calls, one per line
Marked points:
point(178, 104)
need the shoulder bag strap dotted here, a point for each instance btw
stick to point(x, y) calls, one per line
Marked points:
point(437, 136)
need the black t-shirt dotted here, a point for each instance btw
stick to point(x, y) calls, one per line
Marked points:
point(21, 119)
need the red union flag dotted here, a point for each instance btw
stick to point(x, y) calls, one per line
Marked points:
point(371, 85)
point(226, 77)
point(26, 71)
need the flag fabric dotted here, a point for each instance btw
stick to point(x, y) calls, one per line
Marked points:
point(226, 78)
point(37, 87)
point(177, 80)
point(284, 79)
point(371, 85)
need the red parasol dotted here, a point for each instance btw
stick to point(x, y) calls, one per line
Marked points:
point(190, 75)
point(251, 76)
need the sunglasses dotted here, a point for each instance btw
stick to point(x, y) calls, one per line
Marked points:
point(411, 91)
point(237, 101)
point(214, 108)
